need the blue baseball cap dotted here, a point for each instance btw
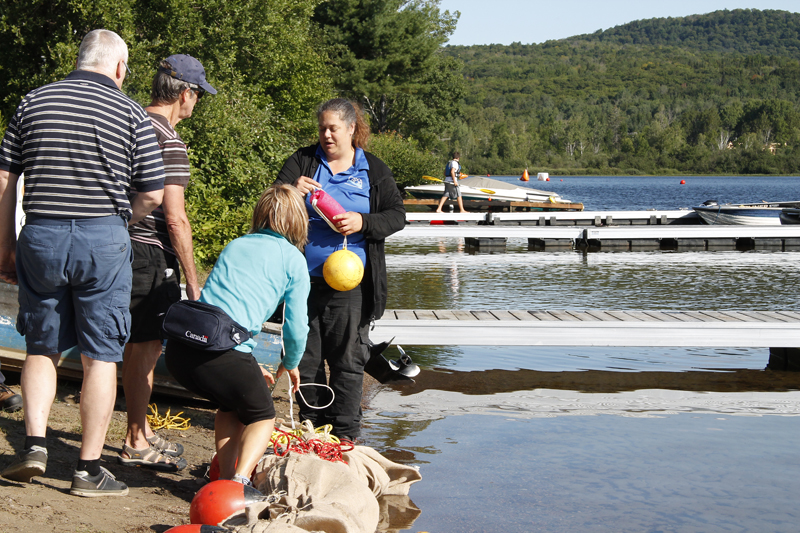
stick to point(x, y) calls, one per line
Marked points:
point(188, 69)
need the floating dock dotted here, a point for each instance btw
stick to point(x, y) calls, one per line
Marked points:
point(720, 329)
point(567, 218)
point(714, 329)
point(648, 232)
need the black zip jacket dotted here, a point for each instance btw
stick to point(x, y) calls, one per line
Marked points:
point(386, 215)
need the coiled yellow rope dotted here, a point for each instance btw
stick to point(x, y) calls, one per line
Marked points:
point(167, 421)
point(306, 431)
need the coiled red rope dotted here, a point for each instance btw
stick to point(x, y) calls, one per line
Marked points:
point(286, 442)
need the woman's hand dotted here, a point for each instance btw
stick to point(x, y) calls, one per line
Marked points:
point(306, 185)
point(348, 223)
point(294, 376)
point(267, 375)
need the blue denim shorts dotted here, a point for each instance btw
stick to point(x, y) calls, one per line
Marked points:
point(75, 286)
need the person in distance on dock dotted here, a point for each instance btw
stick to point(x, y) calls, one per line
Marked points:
point(452, 172)
point(162, 247)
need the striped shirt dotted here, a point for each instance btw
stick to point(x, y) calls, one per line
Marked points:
point(153, 228)
point(81, 143)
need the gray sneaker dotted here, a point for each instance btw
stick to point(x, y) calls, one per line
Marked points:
point(103, 484)
point(28, 463)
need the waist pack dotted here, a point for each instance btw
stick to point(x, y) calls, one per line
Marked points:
point(203, 326)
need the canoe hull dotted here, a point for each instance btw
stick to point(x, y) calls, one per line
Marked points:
point(12, 349)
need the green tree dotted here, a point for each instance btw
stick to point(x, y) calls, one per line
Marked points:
point(259, 54)
point(387, 56)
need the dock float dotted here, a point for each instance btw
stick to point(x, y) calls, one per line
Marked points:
point(720, 329)
point(560, 218)
point(621, 238)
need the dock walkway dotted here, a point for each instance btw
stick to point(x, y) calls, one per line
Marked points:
point(746, 329)
point(632, 237)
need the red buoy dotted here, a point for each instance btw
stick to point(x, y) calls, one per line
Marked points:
point(525, 176)
point(196, 528)
point(219, 499)
point(683, 182)
point(213, 470)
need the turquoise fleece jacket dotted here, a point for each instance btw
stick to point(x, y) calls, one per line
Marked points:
point(253, 275)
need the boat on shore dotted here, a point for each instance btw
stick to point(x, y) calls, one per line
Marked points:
point(754, 214)
point(12, 349)
point(790, 215)
point(480, 188)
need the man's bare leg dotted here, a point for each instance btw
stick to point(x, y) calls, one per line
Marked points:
point(39, 382)
point(97, 404)
point(137, 382)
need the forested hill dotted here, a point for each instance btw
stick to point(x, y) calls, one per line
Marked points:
point(715, 93)
point(747, 31)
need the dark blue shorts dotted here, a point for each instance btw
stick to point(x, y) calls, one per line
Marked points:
point(74, 286)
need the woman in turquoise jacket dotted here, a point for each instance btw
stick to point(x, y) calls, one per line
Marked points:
point(252, 277)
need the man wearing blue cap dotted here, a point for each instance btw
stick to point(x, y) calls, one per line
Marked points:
point(161, 243)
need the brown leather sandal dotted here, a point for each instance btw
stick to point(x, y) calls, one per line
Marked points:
point(150, 457)
point(167, 447)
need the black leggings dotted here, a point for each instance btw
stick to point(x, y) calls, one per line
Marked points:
point(232, 380)
point(337, 335)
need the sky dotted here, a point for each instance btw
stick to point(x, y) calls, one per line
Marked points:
point(537, 21)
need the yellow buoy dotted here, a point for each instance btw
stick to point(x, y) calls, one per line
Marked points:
point(343, 270)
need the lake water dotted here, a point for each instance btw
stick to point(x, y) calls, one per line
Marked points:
point(555, 439)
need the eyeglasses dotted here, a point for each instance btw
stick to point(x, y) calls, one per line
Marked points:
point(197, 91)
point(127, 69)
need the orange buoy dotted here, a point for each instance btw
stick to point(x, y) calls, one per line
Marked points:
point(213, 469)
point(525, 176)
point(548, 179)
point(220, 499)
point(683, 182)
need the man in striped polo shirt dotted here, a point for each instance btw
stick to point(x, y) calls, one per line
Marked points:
point(82, 144)
point(161, 242)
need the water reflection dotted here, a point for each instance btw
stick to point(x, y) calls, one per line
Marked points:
point(487, 382)
point(419, 275)
point(521, 439)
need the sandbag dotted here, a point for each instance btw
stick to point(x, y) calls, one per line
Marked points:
point(309, 494)
point(381, 475)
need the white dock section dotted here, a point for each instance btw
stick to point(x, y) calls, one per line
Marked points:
point(789, 233)
point(747, 329)
point(521, 232)
point(568, 218)
point(693, 232)
point(596, 218)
